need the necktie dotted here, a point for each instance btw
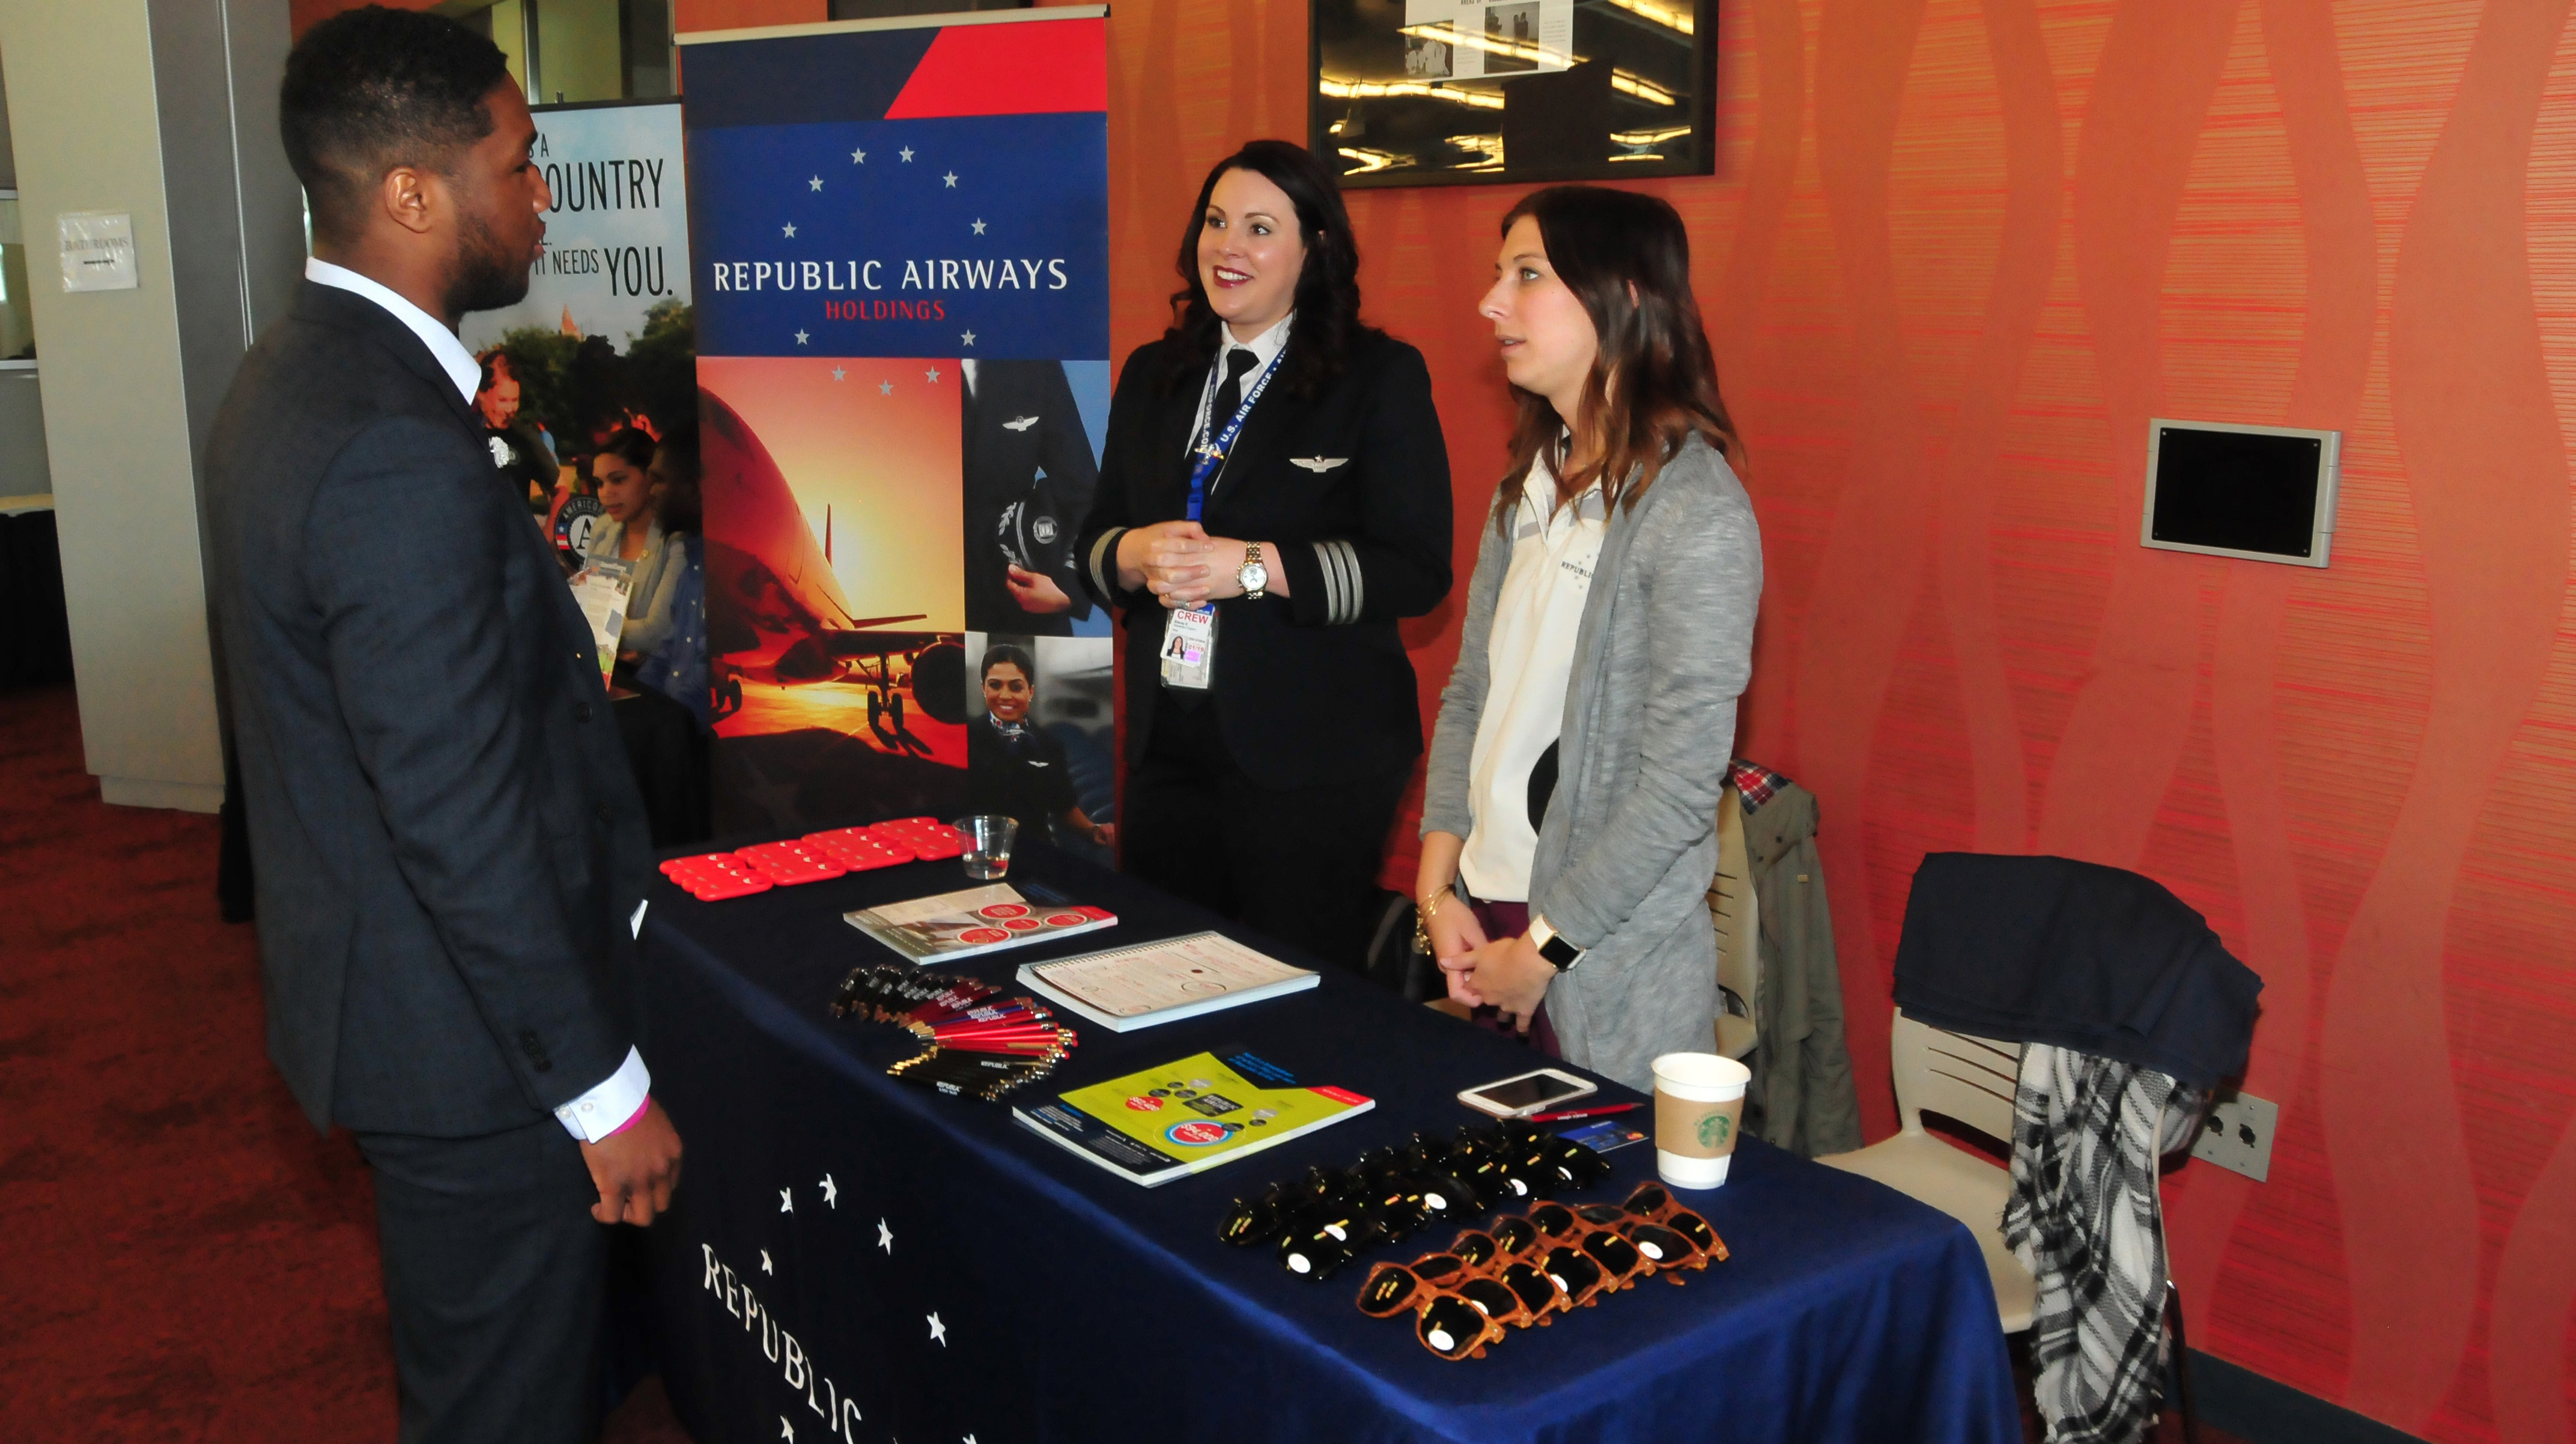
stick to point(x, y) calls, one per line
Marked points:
point(1229, 392)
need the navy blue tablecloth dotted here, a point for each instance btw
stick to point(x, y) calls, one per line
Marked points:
point(850, 1257)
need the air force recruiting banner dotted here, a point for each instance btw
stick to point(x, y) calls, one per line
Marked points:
point(900, 235)
point(617, 239)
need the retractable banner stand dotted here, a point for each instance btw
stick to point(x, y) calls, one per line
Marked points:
point(603, 340)
point(901, 241)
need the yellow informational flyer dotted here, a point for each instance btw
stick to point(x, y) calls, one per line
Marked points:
point(1188, 1116)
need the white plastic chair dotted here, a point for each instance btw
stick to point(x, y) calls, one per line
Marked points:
point(1970, 1080)
point(1738, 914)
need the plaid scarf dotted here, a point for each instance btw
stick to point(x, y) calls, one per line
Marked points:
point(2086, 1219)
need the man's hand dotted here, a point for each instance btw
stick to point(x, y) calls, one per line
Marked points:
point(1036, 591)
point(635, 1168)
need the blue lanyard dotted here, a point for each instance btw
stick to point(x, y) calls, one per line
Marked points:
point(1212, 455)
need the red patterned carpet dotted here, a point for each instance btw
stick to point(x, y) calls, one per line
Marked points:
point(181, 1256)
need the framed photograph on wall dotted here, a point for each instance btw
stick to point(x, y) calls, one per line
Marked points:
point(1463, 92)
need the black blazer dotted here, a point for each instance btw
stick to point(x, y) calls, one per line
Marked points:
point(449, 841)
point(1020, 420)
point(1351, 486)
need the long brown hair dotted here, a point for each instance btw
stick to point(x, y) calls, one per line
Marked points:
point(1328, 289)
point(1626, 257)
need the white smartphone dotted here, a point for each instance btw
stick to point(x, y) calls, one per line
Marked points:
point(1534, 1092)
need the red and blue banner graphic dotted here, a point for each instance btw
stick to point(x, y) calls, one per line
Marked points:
point(899, 237)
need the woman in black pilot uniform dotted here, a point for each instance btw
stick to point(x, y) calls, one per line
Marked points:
point(1261, 781)
point(1015, 770)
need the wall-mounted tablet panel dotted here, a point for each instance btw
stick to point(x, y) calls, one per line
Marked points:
point(2260, 493)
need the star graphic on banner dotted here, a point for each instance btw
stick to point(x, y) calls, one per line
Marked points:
point(831, 1190)
point(931, 375)
point(968, 338)
point(858, 157)
point(802, 338)
point(885, 1236)
point(979, 228)
point(790, 230)
point(907, 155)
point(786, 1430)
point(837, 374)
point(816, 183)
point(885, 388)
point(951, 178)
point(764, 1263)
point(939, 1331)
point(786, 1200)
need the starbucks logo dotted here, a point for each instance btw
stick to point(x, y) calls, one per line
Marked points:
point(1713, 1130)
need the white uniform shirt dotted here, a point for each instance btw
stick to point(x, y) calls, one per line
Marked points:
point(1531, 655)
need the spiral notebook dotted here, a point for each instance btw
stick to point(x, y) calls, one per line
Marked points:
point(1124, 989)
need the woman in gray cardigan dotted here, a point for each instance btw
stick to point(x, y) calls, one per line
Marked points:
point(1569, 821)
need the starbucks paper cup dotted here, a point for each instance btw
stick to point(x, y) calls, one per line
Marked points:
point(1699, 1104)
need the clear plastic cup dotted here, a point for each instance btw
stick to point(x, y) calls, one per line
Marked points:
point(988, 845)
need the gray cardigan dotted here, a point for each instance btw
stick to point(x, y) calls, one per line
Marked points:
point(1629, 845)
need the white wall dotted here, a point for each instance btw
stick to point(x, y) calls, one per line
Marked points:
point(84, 126)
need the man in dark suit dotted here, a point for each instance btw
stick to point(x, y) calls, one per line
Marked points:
point(1029, 483)
point(452, 854)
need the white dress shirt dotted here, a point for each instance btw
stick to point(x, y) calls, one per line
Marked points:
point(1530, 654)
point(1265, 349)
point(618, 1099)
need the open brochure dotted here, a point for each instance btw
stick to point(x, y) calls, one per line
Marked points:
point(1124, 989)
point(979, 920)
point(1187, 1116)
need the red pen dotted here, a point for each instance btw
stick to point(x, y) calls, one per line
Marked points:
point(1564, 1113)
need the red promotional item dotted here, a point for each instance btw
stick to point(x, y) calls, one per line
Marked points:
point(791, 863)
point(928, 837)
point(859, 849)
point(715, 876)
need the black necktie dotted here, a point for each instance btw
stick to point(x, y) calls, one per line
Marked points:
point(1229, 392)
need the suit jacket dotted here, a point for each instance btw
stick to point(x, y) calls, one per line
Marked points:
point(1351, 486)
point(450, 843)
point(1029, 482)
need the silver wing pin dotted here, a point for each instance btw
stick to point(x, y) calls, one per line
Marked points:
point(1022, 424)
point(1319, 464)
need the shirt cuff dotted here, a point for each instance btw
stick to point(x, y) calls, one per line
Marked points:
point(610, 1106)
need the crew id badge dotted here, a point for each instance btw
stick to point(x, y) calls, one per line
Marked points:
point(1189, 646)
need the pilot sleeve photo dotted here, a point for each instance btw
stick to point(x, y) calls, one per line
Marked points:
point(1029, 480)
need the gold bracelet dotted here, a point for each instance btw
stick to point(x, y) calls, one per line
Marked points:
point(1430, 902)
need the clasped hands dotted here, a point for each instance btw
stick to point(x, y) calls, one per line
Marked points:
point(1507, 973)
point(1183, 566)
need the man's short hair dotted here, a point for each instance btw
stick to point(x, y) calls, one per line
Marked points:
point(371, 89)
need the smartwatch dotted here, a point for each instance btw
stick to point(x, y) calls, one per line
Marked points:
point(1552, 946)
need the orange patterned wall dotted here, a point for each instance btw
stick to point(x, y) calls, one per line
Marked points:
point(1956, 252)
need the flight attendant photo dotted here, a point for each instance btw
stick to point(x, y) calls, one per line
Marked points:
point(1013, 768)
point(1274, 496)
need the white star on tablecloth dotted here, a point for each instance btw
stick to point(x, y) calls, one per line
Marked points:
point(790, 230)
point(938, 1331)
point(786, 1430)
point(764, 1263)
point(786, 1200)
point(968, 338)
point(931, 375)
point(801, 338)
point(885, 1235)
point(837, 374)
point(907, 155)
point(951, 178)
point(979, 228)
point(831, 1190)
point(858, 157)
point(885, 388)
point(816, 183)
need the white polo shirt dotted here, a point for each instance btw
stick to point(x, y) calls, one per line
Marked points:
point(1529, 657)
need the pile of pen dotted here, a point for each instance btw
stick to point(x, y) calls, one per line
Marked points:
point(979, 1043)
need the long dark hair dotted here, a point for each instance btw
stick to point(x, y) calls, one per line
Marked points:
point(1328, 290)
point(1626, 257)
